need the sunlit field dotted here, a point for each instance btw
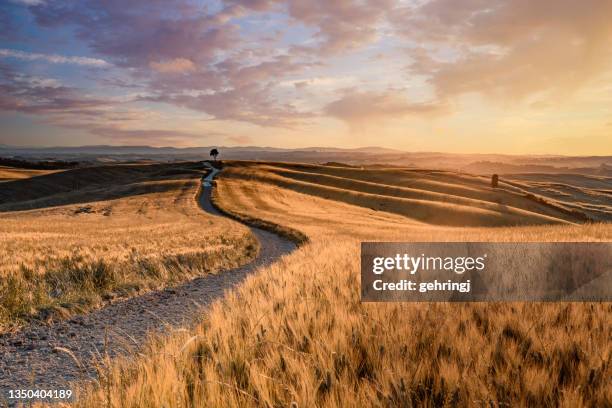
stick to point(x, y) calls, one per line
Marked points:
point(296, 332)
point(65, 259)
point(12, 173)
point(189, 190)
point(589, 194)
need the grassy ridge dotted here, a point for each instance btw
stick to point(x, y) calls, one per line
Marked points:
point(8, 173)
point(291, 234)
point(66, 259)
point(90, 184)
point(576, 193)
point(491, 209)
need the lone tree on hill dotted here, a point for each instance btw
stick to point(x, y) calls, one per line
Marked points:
point(214, 153)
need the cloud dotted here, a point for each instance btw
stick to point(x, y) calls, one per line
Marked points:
point(300, 84)
point(257, 5)
point(230, 90)
point(509, 49)
point(149, 31)
point(19, 93)
point(58, 105)
point(322, 82)
point(28, 2)
point(247, 103)
point(222, 74)
point(173, 66)
point(52, 58)
point(111, 118)
point(150, 136)
point(341, 25)
point(355, 107)
point(242, 140)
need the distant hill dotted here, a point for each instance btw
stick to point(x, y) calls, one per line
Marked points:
point(486, 167)
point(38, 165)
point(472, 163)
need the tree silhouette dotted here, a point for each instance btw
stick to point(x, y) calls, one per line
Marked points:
point(214, 153)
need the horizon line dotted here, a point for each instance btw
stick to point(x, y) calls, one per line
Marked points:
point(348, 149)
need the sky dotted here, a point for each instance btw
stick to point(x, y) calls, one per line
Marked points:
point(464, 76)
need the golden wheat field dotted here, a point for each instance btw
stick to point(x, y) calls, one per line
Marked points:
point(591, 194)
point(8, 173)
point(296, 333)
point(67, 258)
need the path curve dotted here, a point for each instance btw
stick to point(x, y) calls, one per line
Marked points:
point(29, 358)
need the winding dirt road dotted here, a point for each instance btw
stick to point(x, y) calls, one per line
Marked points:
point(36, 357)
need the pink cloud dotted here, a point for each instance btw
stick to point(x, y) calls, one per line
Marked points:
point(509, 49)
point(173, 66)
point(356, 107)
point(342, 25)
point(176, 55)
point(242, 140)
point(149, 136)
point(20, 93)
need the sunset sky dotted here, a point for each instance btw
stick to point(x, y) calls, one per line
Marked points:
point(481, 76)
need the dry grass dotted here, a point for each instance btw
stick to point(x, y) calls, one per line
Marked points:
point(69, 258)
point(590, 195)
point(13, 173)
point(434, 197)
point(297, 331)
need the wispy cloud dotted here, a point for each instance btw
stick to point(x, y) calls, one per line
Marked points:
point(151, 136)
point(509, 49)
point(52, 58)
point(190, 59)
point(239, 139)
point(358, 107)
point(29, 2)
point(340, 26)
point(174, 66)
point(109, 118)
point(21, 93)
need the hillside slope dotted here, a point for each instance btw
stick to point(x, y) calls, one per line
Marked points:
point(429, 196)
point(8, 173)
point(127, 230)
point(297, 333)
point(90, 183)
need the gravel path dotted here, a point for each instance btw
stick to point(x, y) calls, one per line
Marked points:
point(29, 359)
